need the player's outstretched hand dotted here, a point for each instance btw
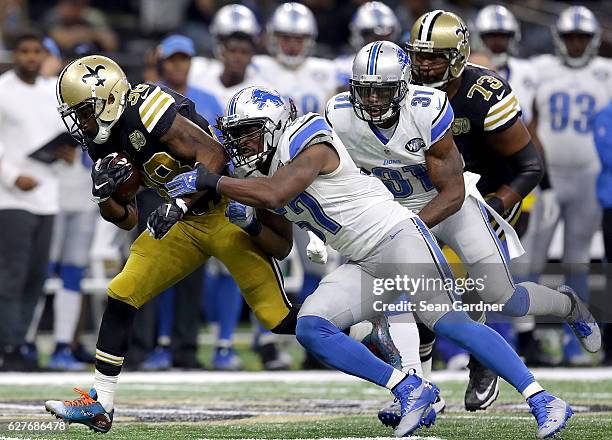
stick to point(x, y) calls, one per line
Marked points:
point(165, 216)
point(316, 251)
point(107, 178)
point(243, 216)
point(193, 181)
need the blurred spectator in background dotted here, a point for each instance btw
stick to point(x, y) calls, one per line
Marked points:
point(28, 192)
point(53, 61)
point(13, 18)
point(73, 22)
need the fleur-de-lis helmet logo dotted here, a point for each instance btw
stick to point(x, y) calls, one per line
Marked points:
point(94, 74)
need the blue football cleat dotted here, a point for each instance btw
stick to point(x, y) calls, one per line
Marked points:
point(160, 359)
point(225, 359)
point(380, 343)
point(62, 359)
point(582, 322)
point(550, 412)
point(391, 414)
point(416, 397)
point(85, 410)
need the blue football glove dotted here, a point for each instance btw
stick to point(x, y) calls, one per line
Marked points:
point(193, 181)
point(164, 217)
point(243, 216)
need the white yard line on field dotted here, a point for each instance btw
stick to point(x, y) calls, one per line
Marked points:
point(214, 377)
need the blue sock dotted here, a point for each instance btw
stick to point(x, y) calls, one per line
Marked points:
point(331, 346)
point(165, 313)
point(487, 346)
point(518, 303)
point(229, 307)
point(71, 276)
point(309, 285)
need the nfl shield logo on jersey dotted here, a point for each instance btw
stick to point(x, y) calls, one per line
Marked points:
point(415, 145)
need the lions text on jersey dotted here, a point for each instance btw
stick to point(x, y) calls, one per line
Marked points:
point(399, 162)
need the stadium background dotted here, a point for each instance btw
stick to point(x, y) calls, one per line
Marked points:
point(129, 31)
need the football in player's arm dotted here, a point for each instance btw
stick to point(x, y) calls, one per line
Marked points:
point(185, 141)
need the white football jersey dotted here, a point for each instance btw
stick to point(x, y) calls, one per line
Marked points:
point(310, 85)
point(425, 116)
point(348, 210)
point(566, 101)
point(523, 79)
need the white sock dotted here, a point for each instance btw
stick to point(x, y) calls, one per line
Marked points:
point(360, 330)
point(405, 336)
point(427, 368)
point(105, 387)
point(66, 313)
point(396, 377)
point(531, 390)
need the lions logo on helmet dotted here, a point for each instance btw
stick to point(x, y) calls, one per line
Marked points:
point(254, 120)
point(81, 99)
point(438, 33)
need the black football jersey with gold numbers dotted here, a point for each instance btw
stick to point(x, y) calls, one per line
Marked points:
point(483, 105)
point(149, 113)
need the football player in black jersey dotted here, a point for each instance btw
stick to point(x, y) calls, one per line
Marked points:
point(160, 131)
point(494, 143)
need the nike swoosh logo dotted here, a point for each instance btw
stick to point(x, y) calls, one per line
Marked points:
point(483, 396)
point(100, 186)
point(501, 95)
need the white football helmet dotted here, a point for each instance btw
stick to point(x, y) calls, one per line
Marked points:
point(497, 19)
point(577, 20)
point(291, 19)
point(379, 82)
point(373, 18)
point(254, 111)
point(232, 19)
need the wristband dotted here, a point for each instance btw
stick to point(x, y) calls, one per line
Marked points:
point(205, 179)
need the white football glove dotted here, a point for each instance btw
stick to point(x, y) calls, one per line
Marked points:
point(550, 207)
point(316, 251)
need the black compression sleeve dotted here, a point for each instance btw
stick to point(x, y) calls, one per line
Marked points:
point(527, 169)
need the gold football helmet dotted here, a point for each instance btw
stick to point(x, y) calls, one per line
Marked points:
point(92, 88)
point(438, 33)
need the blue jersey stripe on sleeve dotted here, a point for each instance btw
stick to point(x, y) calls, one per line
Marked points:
point(307, 132)
point(442, 125)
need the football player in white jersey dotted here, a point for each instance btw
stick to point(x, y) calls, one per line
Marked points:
point(400, 134)
point(300, 169)
point(372, 21)
point(309, 81)
point(573, 86)
point(236, 32)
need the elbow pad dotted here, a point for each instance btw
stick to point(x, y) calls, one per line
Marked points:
point(527, 169)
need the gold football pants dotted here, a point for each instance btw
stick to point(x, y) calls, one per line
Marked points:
point(155, 265)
